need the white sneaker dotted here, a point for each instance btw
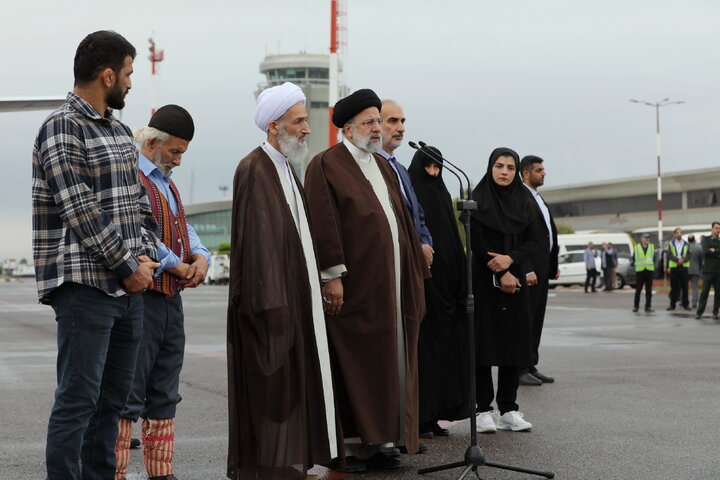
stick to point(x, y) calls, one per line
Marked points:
point(486, 422)
point(514, 421)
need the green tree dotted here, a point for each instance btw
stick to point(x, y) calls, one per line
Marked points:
point(224, 248)
point(564, 228)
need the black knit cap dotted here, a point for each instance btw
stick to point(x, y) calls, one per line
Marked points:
point(173, 120)
point(346, 108)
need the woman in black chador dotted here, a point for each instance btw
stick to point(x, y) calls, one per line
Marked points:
point(442, 348)
point(505, 231)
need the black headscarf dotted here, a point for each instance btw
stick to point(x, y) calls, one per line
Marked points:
point(449, 265)
point(505, 209)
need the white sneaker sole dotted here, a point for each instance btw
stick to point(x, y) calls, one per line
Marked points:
point(488, 429)
point(515, 428)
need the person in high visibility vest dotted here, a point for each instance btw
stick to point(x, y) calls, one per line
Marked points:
point(644, 261)
point(678, 263)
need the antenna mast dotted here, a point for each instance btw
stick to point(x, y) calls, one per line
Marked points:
point(338, 42)
point(156, 56)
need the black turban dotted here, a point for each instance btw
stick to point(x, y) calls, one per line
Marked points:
point(173, 120)
point(346, 108)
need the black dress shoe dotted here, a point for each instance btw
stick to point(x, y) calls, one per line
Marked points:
point(422, 448)
point(426, 430)
point(687, 308)
point(383, 462)
point(351, 464)
point(698, 316)
point(671, 307)
point(438, 431)
point(134, 442)
point(715, 316)
point(649, 310)
point(529, 380)
point(390, 451)
point(543, 378)
point(635, 310)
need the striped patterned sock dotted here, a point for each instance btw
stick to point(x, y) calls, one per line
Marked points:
point(122, 448)
point(159, 446)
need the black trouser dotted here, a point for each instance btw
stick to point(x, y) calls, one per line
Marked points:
point(644, 278)
point(607, 278)
point(710, 280)
point(506, 393)
point(157, 376)
point(679, 279)
point(590, 279)
point(538, 305)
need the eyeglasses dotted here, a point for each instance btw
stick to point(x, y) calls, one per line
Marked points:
point(369, 123)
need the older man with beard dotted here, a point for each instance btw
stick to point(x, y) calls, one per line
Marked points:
point(373, 268)
point(183, 264)
point(281, 404)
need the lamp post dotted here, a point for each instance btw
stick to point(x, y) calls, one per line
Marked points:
point(662, 103)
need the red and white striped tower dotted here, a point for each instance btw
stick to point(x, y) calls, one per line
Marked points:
point(337, 35)
point(156, 56)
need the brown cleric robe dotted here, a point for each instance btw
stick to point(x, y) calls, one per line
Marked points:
point(352, 229)
point(277, 411)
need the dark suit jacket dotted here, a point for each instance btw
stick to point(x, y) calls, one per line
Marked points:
point(545, 262)
point(418, 215)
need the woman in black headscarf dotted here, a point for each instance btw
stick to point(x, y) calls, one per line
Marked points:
point(505, 231)
point(442, 347)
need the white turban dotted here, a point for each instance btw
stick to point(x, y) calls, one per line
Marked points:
point(272, 103)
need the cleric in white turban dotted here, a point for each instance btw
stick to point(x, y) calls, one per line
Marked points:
point(272, 103)
point(277, 345)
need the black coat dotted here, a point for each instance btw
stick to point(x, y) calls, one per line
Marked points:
point(503, 321)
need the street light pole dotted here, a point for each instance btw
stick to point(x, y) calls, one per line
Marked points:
point(662, 103)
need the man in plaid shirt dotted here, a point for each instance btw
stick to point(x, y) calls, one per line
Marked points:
point(93, 240)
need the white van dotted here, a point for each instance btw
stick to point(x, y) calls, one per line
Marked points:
point(578, 241)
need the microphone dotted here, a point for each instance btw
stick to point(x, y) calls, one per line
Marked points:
point(423, 145)
point(434, 157)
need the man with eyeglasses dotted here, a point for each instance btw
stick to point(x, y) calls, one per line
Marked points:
point(372, 268)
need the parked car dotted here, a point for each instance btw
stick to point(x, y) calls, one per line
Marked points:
point(572, 269)
point(625, 272)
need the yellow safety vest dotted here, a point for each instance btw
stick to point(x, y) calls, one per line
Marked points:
point(644, 260)
point(673, 249)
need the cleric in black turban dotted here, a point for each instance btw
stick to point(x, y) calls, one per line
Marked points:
point(346, 108)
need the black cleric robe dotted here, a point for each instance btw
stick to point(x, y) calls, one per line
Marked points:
point(352, 229)
point(277, 411)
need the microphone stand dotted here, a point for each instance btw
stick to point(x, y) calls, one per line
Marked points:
point(474, 456)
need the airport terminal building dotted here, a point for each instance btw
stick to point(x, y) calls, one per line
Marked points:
point(627, 205)
point(630, 205)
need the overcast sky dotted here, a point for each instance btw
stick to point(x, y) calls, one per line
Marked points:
point(550, 78)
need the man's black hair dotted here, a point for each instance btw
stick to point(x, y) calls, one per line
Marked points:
point(528, 161)
point(98, 51)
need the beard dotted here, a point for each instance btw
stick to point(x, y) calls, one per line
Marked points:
point(371, 143)
point(115, 98)
point(164, 167)
point(294, 148)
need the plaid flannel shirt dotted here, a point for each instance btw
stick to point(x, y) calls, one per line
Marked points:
point(91, 217)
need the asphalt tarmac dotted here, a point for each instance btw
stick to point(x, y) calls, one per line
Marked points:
point(637, 396)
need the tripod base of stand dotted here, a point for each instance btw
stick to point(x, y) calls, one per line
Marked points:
point(474, 458)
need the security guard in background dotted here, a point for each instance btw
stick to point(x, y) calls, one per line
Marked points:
point(678, 264)
point(644, 261)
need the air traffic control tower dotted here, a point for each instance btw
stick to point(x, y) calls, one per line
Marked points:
point(311, 73)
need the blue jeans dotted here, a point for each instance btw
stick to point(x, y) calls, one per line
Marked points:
point(98, 338)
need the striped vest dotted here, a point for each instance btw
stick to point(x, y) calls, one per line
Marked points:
point(174, 232)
